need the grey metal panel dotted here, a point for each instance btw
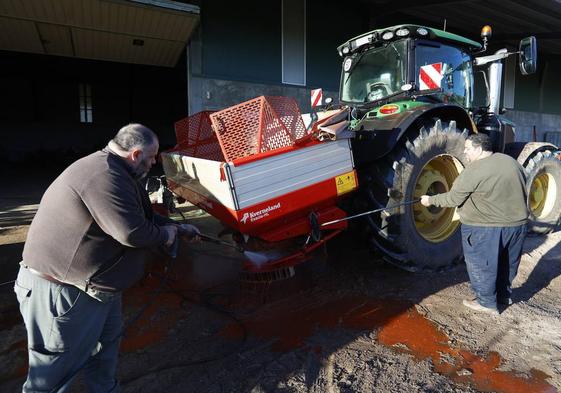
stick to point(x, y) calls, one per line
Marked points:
point(553, 137)
point(278, 175)
point(294, 42)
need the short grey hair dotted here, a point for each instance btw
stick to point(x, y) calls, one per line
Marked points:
point(481, 140)
point(135, 136)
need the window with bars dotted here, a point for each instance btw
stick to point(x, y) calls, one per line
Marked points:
point(86, 108)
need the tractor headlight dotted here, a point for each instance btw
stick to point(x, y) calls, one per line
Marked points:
point(388, 35)
point(403, 32)
point(347, 64)
point(422, 31)
point(346, 50)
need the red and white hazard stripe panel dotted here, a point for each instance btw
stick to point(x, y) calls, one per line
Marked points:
point(430, 76)
point(316, 97)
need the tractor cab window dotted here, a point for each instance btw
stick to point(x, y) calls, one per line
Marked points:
point(446, 67)
point(375, 74)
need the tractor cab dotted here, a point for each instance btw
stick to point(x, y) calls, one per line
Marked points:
point(389, 64)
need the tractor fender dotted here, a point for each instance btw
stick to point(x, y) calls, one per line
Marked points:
point(378, 136)
point(524, 151)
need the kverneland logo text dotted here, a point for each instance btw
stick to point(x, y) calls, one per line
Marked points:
point(259, 214)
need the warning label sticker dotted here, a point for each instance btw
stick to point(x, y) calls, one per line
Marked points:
point(345, 183)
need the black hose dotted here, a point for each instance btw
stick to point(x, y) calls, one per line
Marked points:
point(7, 283)
point(168, 365)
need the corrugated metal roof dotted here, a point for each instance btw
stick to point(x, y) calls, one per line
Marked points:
point(118, 47)
point(56, 39)
point(19, 35)
point(99, 29)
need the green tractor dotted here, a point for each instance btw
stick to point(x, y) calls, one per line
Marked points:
point(409, 91)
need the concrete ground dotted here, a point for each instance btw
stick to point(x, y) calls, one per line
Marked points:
point(344, 323)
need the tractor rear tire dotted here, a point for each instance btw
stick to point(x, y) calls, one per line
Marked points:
point(543, 184)
point(414, 237)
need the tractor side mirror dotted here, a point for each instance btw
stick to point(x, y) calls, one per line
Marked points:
point(528, 55)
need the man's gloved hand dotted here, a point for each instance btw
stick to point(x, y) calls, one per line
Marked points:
point(425, 200)
point(189, 231)
point(171, 246)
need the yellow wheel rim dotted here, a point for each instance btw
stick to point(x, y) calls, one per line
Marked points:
point(543, 194)
point(436, 224)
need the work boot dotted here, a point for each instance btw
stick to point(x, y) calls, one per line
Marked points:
point(474, 305)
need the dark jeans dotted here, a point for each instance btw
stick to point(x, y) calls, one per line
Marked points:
point(492, 257)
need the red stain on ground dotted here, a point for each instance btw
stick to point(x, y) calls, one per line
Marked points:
point(423, 340)
point(164, 310)
point(399, 326)
point(149, 329)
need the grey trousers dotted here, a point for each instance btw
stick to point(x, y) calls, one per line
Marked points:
point(67, 330)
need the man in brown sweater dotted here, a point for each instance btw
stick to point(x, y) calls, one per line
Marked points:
point(86, 244)
point(491, 196)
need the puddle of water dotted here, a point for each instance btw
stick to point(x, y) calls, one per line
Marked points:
point(399, 326)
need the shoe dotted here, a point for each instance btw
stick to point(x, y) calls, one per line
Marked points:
point(505, 301)
point(474, 305)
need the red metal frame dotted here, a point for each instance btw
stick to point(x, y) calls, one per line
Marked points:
point(302, 255)
point(257, 126)
point(276, 219)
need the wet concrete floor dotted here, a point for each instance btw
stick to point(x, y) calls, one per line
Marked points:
point(166, 296)
point(289, 326)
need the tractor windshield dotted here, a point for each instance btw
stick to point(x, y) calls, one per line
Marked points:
point(375, 74)
point(445, 67)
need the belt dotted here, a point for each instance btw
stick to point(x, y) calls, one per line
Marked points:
point(101, 296)
point(44, 276)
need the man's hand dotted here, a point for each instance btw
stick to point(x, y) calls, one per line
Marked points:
point(171, 230)
point(425, 200)
point(189, 231)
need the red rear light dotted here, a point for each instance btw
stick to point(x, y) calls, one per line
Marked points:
point(389, 109)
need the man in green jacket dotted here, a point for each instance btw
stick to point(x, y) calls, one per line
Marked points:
point(491, 196)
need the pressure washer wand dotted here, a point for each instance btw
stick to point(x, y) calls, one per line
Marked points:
point(371, 211)
point(216, 240)
point(256, 258)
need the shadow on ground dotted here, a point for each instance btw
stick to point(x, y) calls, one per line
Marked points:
point(204, 330)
